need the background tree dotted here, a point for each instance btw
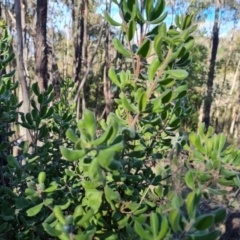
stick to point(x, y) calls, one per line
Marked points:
point(211, 72)
point(74, 26)
point(40, 41)
point(24, 94)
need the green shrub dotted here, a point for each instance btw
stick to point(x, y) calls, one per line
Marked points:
point(122, 178)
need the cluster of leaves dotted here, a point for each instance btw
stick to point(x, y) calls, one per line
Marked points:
point(21, 194)
point(214, 164)
point(101, 180)
point(8, 101)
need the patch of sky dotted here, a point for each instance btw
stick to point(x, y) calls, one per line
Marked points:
point(227, 23)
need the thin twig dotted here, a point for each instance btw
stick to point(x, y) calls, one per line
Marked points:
point(160, 72)
point(154, 84)
point(144, 195)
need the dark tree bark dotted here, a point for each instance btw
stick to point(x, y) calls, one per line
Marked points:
point(41, 45)
point(78, 33)
point(107, 83)
point(211, 73)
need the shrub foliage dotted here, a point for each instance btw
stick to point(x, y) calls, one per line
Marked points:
point(131, 176)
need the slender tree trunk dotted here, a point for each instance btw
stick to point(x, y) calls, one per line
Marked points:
point(20, 65)
point(24, 35)
point(78, 33)
point(41, 45)
point(81, 85)
point(22, 131)
point(226, 65)
point(20, 61)
point(50, 50)
point(54, 74)
point(235, 109)
point(85, 51)
point(211, 73)
point(53, 70)
point(229, 102)
point(200, 115)
point(234, 118)
point(96, 105)
point(217, 116)
point(107, 83)
point(78, 107)
point(66, 54)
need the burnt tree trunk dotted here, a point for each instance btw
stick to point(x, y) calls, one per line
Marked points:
point(211, 72)
point(41, 45)
point(78, 33)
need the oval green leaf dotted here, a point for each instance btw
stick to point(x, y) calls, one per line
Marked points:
point(153, 68)
point(204, 222)
point(34, 210)
point(70, 134)
point(160, 19)
point(178, 74)
point(131, 30)
point(110, 20)
point(145, 48)
point(167, 96)
point(50, 230)
point(72, 155)
point(113, 76)
point(120, 48)
point(142, 103)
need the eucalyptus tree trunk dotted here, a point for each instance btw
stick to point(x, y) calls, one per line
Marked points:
point(41, 45)
point(24, 35)
point(85, 50)
point(235, 108)
point(211, 72)
point(66, 54)
point(50, 49)
point(20, 67)
point(77, 32)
